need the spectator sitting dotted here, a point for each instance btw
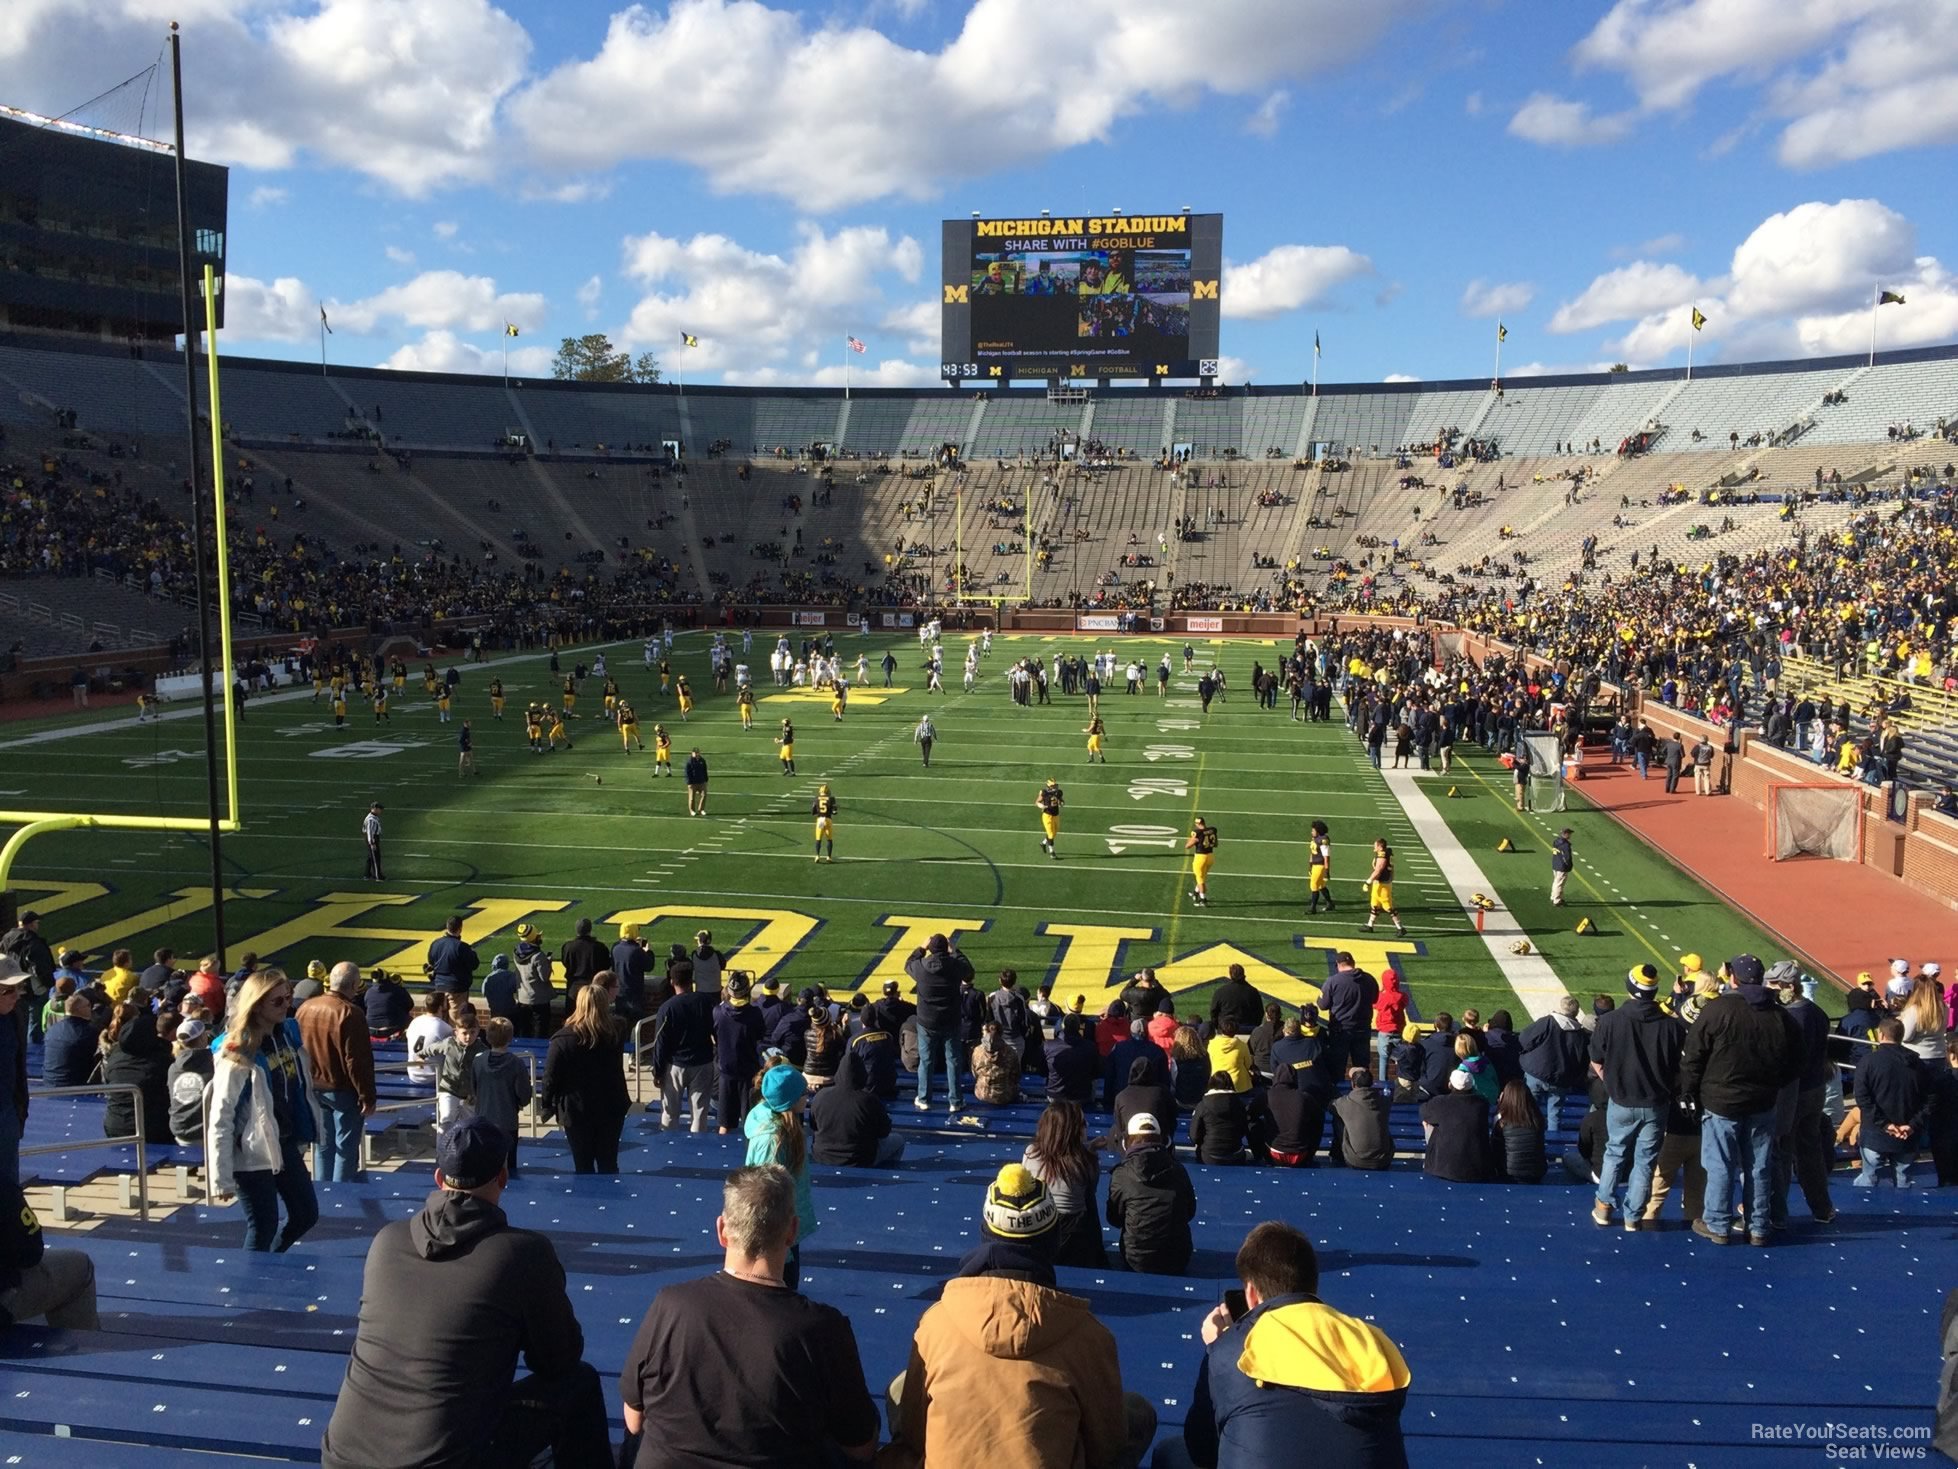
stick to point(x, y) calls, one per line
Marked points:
point(448, 1300)
point(1060, 1157)
point(39, 1284)
point(1554, 1054)
point(1585, 1161)
point(1219, 1124)
point(1469, 1058)
point(1500, 1048)
point(1263, 1034)
point(135, 1053)
point(1297, 1107)
point(389, 1006)
point(1008, 1370)
point(1438, 1055)
point(1292, 1371)
point(1519, 1129)
point(1146, 1092)
point(1190, 1069)
point(850, 1128)
point(1361, 1137)
point(877, 1049)
point(1112, 1028)
point(996, 1068)
point(1163, 1027)
point(1457, 1127)
point(68, 1051)
point(1151, 1201)
point(1120, 1062)
point(1073, 1063)
point(1231, 1055)
point(736, 1368)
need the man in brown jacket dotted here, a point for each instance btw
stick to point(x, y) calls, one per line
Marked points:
point(333, 1027)
point(1006, 1370)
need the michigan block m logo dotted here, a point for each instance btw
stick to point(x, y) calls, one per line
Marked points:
point(1203, 290)
point(961, 295)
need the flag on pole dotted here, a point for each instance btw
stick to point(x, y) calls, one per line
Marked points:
point(510, 329)
point(327, 327)
point(1890, 298)
point(1699, 318)
point(1502, 332)
point(1315, 344)
point(688, 339)
point(855, 345)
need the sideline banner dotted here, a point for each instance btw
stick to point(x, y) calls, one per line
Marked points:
point(1098, 622)
point(1206, 624)
point(810, 619)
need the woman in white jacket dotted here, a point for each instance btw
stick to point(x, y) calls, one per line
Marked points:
point(262, 1116)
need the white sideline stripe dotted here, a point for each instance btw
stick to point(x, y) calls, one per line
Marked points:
point(1530, 975)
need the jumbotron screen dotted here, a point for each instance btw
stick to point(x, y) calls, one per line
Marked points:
point(1086, 297)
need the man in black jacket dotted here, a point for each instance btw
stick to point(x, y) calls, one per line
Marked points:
point(1236, 997)
point(1437, 1055)
point(1803, 1138)
point(582, 957)
point(1635, 1050)
point(452, 961)
point(1740, 1053)
point(25, 946)
point(683, 1052)
point(889, 1011)
point(449, 1299)
point(1151, 1201)
point(1555, 1057)
point(937, 970)
point(849, 1126)
point(1894, 1100)
point(1347, 1003)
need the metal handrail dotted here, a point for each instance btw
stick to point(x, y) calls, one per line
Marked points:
point(103, 1089)
point(639, 1044)
point(534, 1116)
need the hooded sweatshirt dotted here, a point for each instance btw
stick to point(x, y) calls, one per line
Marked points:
point(1390, 1009)
point(1554, 1049)
point(847, 1121)
point(1151, 1200)
point(1013, 1374)
point(1638, 1045)
point(449, 1300)
point(1741, 1051)
point(1292, 1372)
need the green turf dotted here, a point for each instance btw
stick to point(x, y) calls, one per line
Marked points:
point(537, 838)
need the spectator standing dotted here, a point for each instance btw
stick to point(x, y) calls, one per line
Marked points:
point(582, 956)
point(1894, 1103)
point(1008, 1370)
point(1151, 1201)
point(1347, 1002)
point(1803, 1136)
point(1739, 1054)
point(1702, 755)
point(426, 1034)
point(1554, 1058)
point(775, 1135)
point(262, 1117)
point(1673, 752)
point(25, 946)
point(631, 962)
point(333, 1029)
point(737, 1368)
point(1636, 1050)
point(1236, 997)
point(452, 961)
point(536, 991)
point(584, 1083)
point(737, 1054)
point(1290, 1372)
point(683, 1053)
point(500, 1084)
point(936, 971)
point(449, 1299)
point(1389, 1019)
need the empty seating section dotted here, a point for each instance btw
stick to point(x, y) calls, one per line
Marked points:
point(577, 418)
point(717, 418)
point(1212, 427)
point(1528, 420)
point(877, 426)
point(1764, 403)
point(937, 420)
point(1130, 422)
point(1436, 413)
point(1363, 423)
point(1621, 409)
point(415, 411)
point(272, 404)
point(796, 423)
point(1917, 393)
point(1018, 423)
point(117, 394)
point(1270, 422)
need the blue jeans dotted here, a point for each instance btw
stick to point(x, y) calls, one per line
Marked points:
point(1383, 1049)
point(1373, 754)
point(1738, 1149)
point(1549, 1099)
point(1639, 1131)
point(1642, 761)
point(931, 1048)
point(336, 1156)
point(260, 1192)
point(1876, 1165)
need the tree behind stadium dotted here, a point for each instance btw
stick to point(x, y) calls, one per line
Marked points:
point(593, 359)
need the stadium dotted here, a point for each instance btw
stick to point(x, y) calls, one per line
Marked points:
point(1609, 717)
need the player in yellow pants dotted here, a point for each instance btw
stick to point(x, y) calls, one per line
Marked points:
point(785, 741)
point(823, 808)
point(1380, 887)
point(1048, 802)
point(533, 727)
point(557, 731)
point(1095, 730)
point(1203, 843)
point(496, 698)
point(570, 697)
point(662, 751)
point(628, 727)
point(1319, 868)
point(685, 695)
point(745, 701)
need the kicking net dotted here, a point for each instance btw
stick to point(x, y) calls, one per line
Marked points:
point(1546, 789)
point(1814, 821)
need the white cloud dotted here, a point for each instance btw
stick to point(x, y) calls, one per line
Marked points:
point(1473, 104)
point(445, 229)
point(1233, 370)
point(864, 372)
point(442, 300)
point(1496, 298)
point(266, 195)
point(832, 114)
point(1817, 255)
point(1665, 244)
point(400, 256)
point(1929, 314)
point(1264, 122)
point(283, 310)
point(1638, 289)
point(1558, 122)
point(443, 351)
point(1400, 377)
point(588, 295)
point(1669, 49)
point(1657, 335)
point(1287, 277)
point(767, 317)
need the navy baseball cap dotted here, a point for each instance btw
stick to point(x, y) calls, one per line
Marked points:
point(472, 1153)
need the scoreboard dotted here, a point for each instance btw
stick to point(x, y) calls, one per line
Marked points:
point(1081, 297)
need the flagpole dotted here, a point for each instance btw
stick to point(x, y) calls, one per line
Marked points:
point(1876, 297)
point(1691, 332)
point(1499, 337)
point(322, 341)
point(1315, 364)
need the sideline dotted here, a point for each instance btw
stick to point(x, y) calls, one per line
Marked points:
point(1529, 975)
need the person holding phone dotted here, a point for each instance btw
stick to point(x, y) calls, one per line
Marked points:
point(1282, 1368)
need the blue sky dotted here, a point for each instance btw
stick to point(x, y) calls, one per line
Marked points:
point(1394, 175)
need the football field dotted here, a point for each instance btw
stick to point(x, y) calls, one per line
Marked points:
point(591, 832)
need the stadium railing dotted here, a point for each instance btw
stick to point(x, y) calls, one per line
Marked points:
point(100, 1089)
